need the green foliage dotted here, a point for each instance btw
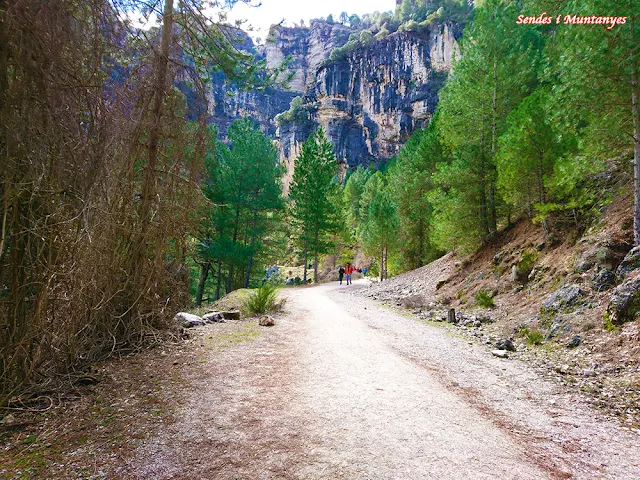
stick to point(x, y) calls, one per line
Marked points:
point(241, 225)
point(608, 325)
point(296, 113)
point(410, 180)
point(526, 263)
point(484, 299)
point(497, 69)
point(316, 209)
point(527, 154)
point(532, 336)
point(352, 194)
point(261, 300)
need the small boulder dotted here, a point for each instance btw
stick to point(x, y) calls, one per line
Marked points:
point(630, 263)
point(451, 315)
point(231, 315)
point(624, 304)
point(188, 320)
point(500, 353)
point(213, 317)
point(513, 277)
point(266, 321)
point(603, 279)
point(505, 344)
point(566, 299)
point(9, 420)
point(575, 342)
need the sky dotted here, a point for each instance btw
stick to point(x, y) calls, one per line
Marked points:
point(273, 11)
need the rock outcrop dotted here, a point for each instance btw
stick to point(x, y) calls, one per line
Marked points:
point(369, 102)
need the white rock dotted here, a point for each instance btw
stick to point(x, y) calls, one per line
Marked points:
point(188, 320)
point(500, 353)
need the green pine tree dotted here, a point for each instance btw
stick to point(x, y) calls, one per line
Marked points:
point(314, 194)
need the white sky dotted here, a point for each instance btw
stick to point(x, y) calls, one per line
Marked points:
point(270, 12)
point(273, 11)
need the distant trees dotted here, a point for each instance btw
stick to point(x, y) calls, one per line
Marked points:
point(314, 194)
point(378, 230)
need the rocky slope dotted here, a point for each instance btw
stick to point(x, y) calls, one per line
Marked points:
point(570, 305)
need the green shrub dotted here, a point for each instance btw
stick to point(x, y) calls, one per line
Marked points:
point(608, 324)
point(261, 300)
point(527, 261)
point(484, 299)
point(297, 113)
point(533, 336)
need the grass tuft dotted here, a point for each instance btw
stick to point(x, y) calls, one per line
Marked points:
point(484, 299)
point(261, 300)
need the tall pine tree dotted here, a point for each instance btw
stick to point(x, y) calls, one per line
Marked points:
point(314, 196)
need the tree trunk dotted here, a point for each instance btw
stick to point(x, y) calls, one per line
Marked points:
point(159, 93)
point(635, 111)
point(381, 264)
point(253, 242)
point(235, 239)
point(304, 277)
point(204, 273)
point(4, 54)
point(635, 98)
point(386, 262)
point(315, 269)
point(219, 279)
point(493, 223)
point(315, 259)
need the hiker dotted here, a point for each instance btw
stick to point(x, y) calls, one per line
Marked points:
point(348, 270)
point(340, 274)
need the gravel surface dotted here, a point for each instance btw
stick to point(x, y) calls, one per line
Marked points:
point(342, 387)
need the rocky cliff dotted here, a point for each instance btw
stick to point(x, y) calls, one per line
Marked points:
point(369, 102)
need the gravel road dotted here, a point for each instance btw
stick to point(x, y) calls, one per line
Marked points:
point(343, 388)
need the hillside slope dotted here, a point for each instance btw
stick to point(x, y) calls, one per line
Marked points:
point(552, 299)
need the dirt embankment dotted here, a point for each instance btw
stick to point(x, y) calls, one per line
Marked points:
point(547, 295)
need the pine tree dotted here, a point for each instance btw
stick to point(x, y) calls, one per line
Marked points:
point(411, 181)
point(314, 197)
point(527, 153)
point(497, 69)
point(379, 233)
point(596, 77)
point(244, 187)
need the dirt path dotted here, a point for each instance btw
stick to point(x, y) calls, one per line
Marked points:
point(344, 388)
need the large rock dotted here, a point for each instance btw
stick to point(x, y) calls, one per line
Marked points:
point(603, 279)
point(564, 300)
point(371, 101)
point(624, 304)
point(596, 255)
point(188, 320)
point(630, 264)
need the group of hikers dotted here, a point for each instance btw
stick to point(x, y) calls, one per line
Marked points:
point(347, 271)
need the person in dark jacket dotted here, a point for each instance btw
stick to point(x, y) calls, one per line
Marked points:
point(340, 274)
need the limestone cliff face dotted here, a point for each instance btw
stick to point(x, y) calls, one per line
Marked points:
point(372, 101)
point(369, 103)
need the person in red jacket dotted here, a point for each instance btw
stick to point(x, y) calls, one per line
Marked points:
point(348, 270)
